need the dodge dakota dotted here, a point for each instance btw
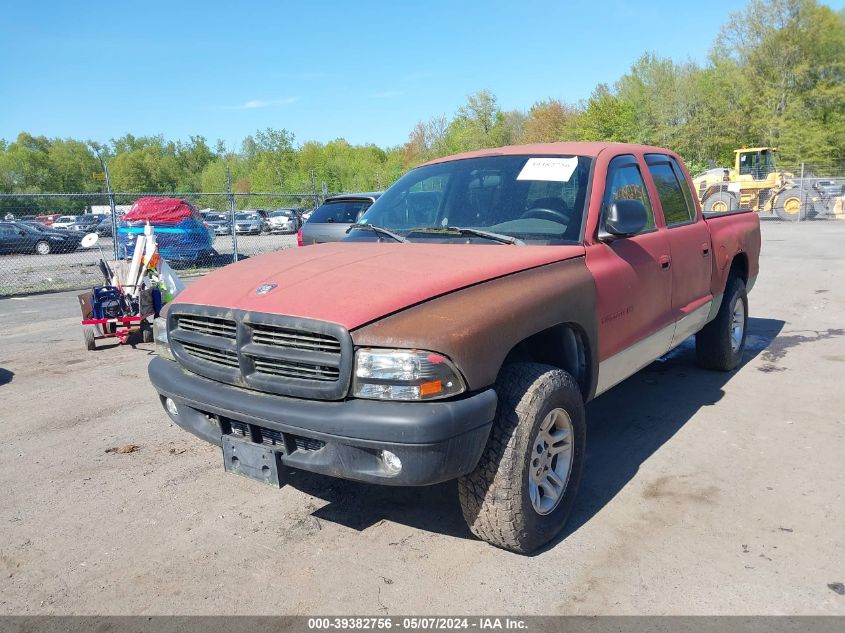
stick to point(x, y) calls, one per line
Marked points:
point(460, 327)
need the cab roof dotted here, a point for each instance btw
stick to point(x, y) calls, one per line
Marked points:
point(592, 149)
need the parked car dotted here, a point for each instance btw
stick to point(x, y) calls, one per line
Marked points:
point(181, 235)
point(219, 223)
point(21, 237)
point(87, 222)
point(830, 187)
point(251, 222)
point(48, 219)
point(284, 221)
point(330, 221)
point(460, 335)
point(105, 228)
point(64, 222)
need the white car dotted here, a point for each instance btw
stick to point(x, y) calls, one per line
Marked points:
point(283, 221)
point(64, 222)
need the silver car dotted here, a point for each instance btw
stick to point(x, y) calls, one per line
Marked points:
point(249, 223)
point(330, 221)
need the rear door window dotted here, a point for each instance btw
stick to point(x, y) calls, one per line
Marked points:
point(342, 211)
point(676, 202)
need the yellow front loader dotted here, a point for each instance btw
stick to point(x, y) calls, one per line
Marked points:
point(754, 182)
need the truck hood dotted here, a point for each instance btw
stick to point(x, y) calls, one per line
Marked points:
point(354, 283)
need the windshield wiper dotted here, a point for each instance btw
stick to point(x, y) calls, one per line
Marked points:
point(378, 230)
point(465, 232)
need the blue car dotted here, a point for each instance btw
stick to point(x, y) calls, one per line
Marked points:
point(180, 232)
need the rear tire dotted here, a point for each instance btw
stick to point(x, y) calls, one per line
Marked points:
point(721, 202)
point(503, 499)
point(720, 344)
point(42, 248)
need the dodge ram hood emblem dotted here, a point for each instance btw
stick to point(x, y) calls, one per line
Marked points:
point(263, 289)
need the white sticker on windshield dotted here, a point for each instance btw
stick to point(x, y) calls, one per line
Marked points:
point(549, 169)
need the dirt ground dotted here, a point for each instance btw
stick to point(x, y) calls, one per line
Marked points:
point(704, 493)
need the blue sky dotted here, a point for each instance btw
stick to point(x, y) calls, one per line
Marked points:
point(366, 71)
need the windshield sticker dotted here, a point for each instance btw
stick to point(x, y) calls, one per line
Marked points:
point(549, 169)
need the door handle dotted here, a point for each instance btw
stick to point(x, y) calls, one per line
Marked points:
point(665, 262)
point(705, 250)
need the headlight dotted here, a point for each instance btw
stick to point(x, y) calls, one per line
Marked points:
point(402, 374)
point(160, 338)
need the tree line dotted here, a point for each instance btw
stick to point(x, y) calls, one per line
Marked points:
point(775, 76)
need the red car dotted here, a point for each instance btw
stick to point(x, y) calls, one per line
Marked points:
point(47, 220)
point(461, 326)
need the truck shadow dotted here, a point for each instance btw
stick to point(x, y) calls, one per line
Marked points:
point(625, 426)
point(6, 376)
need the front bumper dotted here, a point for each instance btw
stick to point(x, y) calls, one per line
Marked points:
point(435, 441)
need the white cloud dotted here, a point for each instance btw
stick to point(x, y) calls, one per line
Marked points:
point(255, 104)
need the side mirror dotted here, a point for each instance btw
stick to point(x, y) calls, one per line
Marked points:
point(625, 218)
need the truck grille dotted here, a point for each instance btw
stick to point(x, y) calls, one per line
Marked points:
point(272, 353)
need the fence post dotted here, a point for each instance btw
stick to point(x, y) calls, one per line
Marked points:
point(232, 214)
point(112, 206)
point(314, 189)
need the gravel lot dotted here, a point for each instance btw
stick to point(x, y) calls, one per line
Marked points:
point(704, 493)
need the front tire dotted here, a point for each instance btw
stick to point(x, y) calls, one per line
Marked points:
point(42, 248)
point(720, 344)
point(790, 206)
point(524, 486)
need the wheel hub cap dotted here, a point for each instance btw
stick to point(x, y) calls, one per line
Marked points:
point(551, 461)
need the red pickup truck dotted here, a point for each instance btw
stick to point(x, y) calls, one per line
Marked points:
point(461, 326)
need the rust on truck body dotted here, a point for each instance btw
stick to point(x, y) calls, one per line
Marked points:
point(514, 307)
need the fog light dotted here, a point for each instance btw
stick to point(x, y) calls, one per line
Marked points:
point(391, 462)
point(171, 407)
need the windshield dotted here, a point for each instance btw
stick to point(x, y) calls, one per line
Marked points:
point(281, 214)
point(342, 211)
point(538, 200)
point(247, 216)
point(215, 217)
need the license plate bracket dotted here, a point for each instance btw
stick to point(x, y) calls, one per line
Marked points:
point(252, 460)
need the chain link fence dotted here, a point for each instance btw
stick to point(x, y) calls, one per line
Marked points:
point(41, 234)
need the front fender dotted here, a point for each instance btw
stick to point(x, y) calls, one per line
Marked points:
point(478, 326)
